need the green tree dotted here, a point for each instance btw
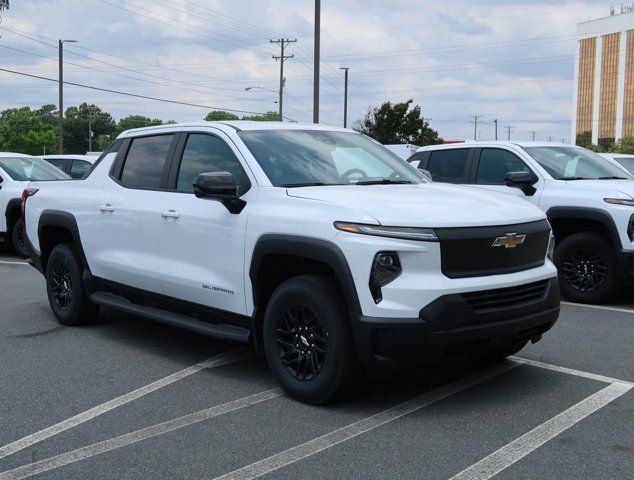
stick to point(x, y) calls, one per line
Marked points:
point(23, 130)
point(397, 123)
point(135, 121)
point(76, 129)
point(220, 115)
point(267, 117)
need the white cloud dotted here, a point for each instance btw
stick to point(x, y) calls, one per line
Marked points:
point(454, 60)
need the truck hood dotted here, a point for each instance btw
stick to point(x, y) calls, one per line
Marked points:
point(426, 205)
point(625, 187)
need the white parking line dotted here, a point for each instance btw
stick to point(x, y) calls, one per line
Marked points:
point(13, 263)
point(570, 371)
point(522, 446)
point(599, 307)
point(136, 436)
point(343, 434)
point(224, 358)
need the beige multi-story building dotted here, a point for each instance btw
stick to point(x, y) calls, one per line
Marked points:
point(604, 79)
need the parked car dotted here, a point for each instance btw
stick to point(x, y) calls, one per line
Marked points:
point(625, 160)
point(315, 244)
point(16, 170)
point(588, 200)
point(74, 165)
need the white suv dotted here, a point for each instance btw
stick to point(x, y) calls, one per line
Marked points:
point(16, 170)
point(313, 243)
point(589, 202)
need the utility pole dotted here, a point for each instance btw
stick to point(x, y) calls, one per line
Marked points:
point(282, 43)
point(533, 134)
point(345, 96)
point(509, 129)
point(61, 92)
point(475, 125)
point(316, 62)
point(90, 119)
point(563, 140)
point(550, 139)
point(496, 128)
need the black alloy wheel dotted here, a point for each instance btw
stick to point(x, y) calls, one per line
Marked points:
point(18, 239)
point(585, 269)
point(588, 269)
point(62, 284)
point(301, 342)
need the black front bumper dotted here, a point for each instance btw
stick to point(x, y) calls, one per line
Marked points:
point(625, 262)
point(450, 328)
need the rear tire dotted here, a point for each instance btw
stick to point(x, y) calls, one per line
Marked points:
point(65, 289)
point(308, 340)
point(18, 239)
point(587, 268)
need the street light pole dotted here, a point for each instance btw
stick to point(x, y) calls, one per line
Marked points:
point(316, 62)
point(61, 93)
point(345, 97)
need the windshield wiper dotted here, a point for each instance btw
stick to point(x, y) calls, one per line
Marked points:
point(574, 178)
point(613, 178)
point(382, 181)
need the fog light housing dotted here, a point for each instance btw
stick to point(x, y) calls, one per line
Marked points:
point(385, 268)
point(630, 229)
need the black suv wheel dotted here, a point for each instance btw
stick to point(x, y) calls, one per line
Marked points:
point(18, 240)
point(65, 289)
point(587, 268)
point(308, 341)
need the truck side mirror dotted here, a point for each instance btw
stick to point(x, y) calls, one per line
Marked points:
point(221, 186)
point(426, 174)
point(522, 180)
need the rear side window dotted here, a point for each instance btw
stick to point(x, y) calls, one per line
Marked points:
point(495, 163)
point(450, 165)
point(57, 162)
point(143, 167)
point(79, 168)
point(207, 153)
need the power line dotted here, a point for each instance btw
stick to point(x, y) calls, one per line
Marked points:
point(147, 97)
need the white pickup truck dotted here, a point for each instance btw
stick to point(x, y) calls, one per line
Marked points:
point(315, 244)
point(589, 202)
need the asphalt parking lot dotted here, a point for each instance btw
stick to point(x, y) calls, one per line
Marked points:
point(125, 398)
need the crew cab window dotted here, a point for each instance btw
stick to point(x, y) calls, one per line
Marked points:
point(79, 168)
point(58, 162)
point(207, 153)
point(495, 163)
point(144, 163)
point(451, 165)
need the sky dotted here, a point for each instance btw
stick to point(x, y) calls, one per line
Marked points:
point(510, 60)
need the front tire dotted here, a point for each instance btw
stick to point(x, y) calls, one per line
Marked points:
point(18, 239)
point(587, 268)
point(65, 289)
point(308, 341)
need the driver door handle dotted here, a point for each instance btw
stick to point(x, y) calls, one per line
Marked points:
point(107, 208)
point(170, 214)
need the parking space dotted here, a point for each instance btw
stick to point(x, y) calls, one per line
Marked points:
point(124, 397)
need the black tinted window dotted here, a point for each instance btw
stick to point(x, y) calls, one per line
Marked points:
point(495, 163)
point(144, 163)
point(206, 153)
point(79, 168)
point(57, 162)
point(449, 165)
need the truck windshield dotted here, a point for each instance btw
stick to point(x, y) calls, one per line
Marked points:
point(298, 158)
point(574, 163)
point(24, 169)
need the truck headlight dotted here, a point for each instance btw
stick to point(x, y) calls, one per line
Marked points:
point(619, 201)
point(385, 268)
point(404, 233)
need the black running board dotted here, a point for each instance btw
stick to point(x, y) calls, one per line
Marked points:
point(227, 332)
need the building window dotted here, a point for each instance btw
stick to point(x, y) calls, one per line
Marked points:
point(628, 94)
point(585, 90)
point(609, 88)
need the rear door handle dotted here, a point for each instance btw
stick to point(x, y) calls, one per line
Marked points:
point(107, 208)
point(170, 214)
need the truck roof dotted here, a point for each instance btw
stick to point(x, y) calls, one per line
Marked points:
point(12, 154)
point(239, 125)
point(472, 143)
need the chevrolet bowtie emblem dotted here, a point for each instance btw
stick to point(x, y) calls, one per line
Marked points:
point(509, 240)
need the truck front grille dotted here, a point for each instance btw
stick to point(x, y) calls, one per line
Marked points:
point(510, 297)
